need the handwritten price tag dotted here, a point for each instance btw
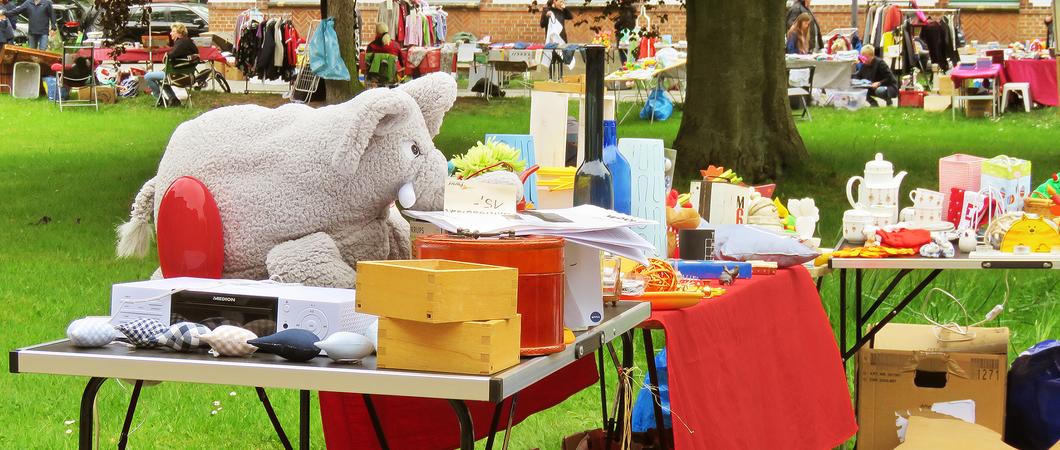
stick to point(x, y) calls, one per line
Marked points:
point(480, 198)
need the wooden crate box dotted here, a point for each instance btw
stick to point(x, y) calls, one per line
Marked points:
point(436, 291)
point(477, 347)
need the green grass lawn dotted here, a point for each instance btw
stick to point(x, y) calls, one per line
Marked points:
point(66, 180)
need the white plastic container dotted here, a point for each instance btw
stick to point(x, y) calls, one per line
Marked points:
point(25, 80)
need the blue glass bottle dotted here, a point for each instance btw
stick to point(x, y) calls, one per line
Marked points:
point(592, 181)
point(621, 179)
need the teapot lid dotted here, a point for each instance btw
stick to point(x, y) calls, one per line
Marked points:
point(879, 165)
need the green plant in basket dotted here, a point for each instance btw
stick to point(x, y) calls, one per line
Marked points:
point(488, 157)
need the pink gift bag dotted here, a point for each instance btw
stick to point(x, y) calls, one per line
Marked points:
point(959, 171)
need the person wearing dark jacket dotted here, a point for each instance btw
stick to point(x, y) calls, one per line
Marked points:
point(883, 82)
point(798, 8)
point(183, 47)
point(41, 19)
point(6, 6)
point(7, 30)
point(556, 9)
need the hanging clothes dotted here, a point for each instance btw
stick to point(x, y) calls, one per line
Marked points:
point(248, 48)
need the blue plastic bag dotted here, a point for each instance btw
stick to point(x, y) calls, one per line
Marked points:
point(658, 106)
point(325, 60)
point(643, 408)
point(1033, 414)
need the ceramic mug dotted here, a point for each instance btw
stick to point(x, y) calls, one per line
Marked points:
point(854, 223)
point(883, 215)
point(926, 198)
point(921, 215)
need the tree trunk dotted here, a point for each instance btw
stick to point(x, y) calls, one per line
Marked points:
point(736, 112)
point(344, 12)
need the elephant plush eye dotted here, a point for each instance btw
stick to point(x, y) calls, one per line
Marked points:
point(416, 150)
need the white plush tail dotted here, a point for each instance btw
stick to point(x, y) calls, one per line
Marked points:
point(134, 236)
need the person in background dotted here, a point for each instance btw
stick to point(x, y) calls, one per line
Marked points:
point(624, 23)
point(1050, 33)
point(556, 9)
point(883, 82)
point(798, 38)
point(797, 9)
point(383, 43)
point(183, 47)
point(7, 30)
point(41, 19)
point(6, 7)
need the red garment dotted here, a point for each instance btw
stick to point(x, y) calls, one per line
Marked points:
point(1040, 73)
point(892, 18)
point(757, 368)
point(428, 424)
point(904, 238)
point(392, 48)
point(403, 11)
point(647, 48)
point(291, 42)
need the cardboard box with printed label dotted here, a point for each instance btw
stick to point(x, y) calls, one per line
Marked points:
point(909, 370)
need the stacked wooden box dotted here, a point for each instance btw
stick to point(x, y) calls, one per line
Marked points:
point(442, 316)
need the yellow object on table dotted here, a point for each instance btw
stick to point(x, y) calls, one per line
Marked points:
point(436, 291)
point(872, 252)
point(478, 347)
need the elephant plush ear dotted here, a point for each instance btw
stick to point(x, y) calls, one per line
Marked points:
point(435, 94)
point(376, 112)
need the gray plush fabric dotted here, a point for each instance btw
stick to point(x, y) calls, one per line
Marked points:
point(305, 193)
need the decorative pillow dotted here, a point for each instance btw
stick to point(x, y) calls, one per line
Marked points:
point(91, 332)
point(344, 346)
point(749, 243)
point(294, 344)
point(183, 336)
point(142, 332)
point(228, 340)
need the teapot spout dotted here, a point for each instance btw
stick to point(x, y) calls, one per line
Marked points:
point(898, 178)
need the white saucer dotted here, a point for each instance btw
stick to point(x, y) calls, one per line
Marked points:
point(934, 227)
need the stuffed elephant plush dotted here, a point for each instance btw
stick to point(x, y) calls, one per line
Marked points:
point(305, 193)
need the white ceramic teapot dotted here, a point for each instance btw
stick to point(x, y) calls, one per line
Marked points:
point(879, 186)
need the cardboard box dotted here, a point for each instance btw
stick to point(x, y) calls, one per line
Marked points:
point(723, 203)
point(231, 73)
point(436, 291)
point(926, 433)
point(476, 347)
point(918, 370)
point(104, 94)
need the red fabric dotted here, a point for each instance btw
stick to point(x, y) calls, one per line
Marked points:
point(426, 424)
point(647, 48)
point(291, 42)
point(958, 75)
point(757, 368)
point(135, 55)
point(1040, 73)
point(892, 18)
point(904, 238)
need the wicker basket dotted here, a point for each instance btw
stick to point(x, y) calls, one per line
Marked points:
point(1041, 207)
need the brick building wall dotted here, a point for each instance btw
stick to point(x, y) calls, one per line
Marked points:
point(509, 23)
point(1000, 25)
point(503, 22)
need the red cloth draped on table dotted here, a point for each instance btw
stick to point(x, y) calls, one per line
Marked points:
point(426, 424)
point(135, 55)
point(1040, 73)
point(757, 368)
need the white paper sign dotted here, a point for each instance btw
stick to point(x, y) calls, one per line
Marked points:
point(462, 197)
point(647, 164)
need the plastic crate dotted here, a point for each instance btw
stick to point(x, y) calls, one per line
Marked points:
point(911, 99)
point(26, 80)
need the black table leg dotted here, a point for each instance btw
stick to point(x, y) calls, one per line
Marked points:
point(123, 440)
point(272, 418)
point(496, 420)
point(859, 323)
point(303, 420)
point(376, 423)
point(843, 311)
point(603, 386)
point(467, 428)
point(891, 315)
point(88, 400)
point(511, 418)
point(654, 388)
point(820, 281)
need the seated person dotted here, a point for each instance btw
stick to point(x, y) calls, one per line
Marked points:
point(183, 47)
point(7, 30)
point(798, 37)
point(383, 44)
point(883, 83)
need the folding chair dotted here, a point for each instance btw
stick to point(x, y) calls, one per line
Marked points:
point(802, 92)
point(180, 73)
